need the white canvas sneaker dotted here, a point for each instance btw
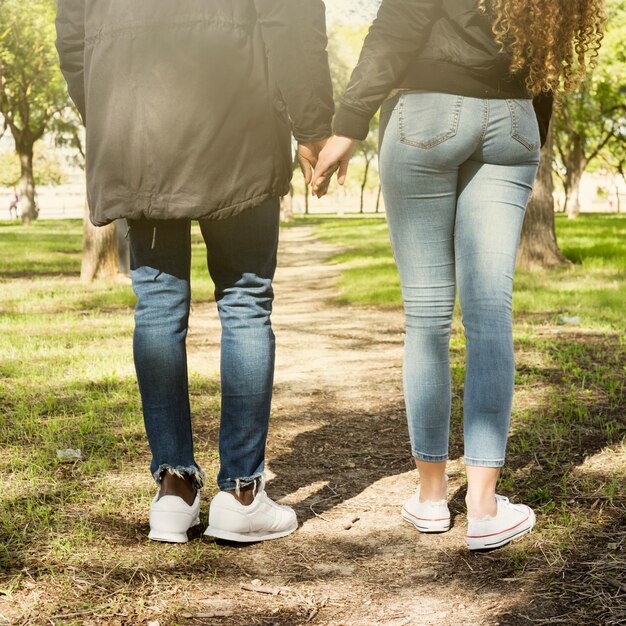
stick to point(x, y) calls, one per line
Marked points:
point(171, 517)
point(510, 522)
point(429, 516)
point(259, 521)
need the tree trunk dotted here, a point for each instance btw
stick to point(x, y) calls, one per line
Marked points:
point(26, 185)
point(100, 250)
point(363, 185)
point(538, 246)
point(286, 206)
point(380, 188)
point(306, 199)
point(575, 166)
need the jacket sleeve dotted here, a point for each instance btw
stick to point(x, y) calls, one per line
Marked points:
point(543, 106)
point(398, 32)
point(70, 25)
point(294, 32)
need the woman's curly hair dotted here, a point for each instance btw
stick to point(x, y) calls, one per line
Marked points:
point(552, 42)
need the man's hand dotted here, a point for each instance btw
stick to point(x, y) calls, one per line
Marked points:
point(307, 155)
point(335, 156)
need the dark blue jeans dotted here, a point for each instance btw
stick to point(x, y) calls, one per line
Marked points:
point(241, 256)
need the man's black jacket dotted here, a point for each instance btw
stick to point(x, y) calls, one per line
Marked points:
point(189, 104)
point(444, 46)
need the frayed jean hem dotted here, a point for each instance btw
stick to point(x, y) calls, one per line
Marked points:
point(483, 463)
point(197, 475)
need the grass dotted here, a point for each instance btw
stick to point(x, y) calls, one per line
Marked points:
point(567, 449)
point(593, 287)
point(67, 381)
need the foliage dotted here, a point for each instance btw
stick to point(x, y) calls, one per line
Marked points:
point(590, 123)
point(33, 95)
point(48, 169)
point(352, 11)
point(33, 89)
point(344, 44)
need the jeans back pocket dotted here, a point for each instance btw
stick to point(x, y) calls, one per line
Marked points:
point(524, 125)
point(428, 119)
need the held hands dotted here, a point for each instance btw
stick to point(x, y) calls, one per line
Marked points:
point(307, 155)
point(335, 156)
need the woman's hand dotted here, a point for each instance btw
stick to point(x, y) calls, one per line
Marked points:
point(335, 156)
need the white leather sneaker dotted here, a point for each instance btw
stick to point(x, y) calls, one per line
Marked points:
point(429, 516)
point(171, 517)
point(510, 522)
point(259, 521)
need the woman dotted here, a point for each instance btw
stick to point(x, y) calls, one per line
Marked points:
point(459, 151)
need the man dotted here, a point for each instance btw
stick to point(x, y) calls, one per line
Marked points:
point(188, 108)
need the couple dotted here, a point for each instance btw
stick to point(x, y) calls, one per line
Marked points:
point(189, 108)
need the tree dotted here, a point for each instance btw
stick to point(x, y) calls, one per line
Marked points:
point(47, 168)
point(614, 158)
point(344, 45)
point(593, 118)
point(100, 250)
point(32, 92)
point(286, 206)
point(105, 253)
point(369, 151)
point(538, 246)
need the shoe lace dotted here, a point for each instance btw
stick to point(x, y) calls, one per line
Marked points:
point(258, 486)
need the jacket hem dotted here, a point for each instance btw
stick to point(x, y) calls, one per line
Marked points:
point(131, 208)
point(318, 134)
point(444, 77)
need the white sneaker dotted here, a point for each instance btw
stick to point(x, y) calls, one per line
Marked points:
point(259, 521)
point(429, 516)
point(171, 517)
point(510, 522)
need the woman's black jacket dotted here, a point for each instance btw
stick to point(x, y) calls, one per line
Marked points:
point(444, 46)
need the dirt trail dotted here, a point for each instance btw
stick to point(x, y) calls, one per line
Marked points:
point(339, 454)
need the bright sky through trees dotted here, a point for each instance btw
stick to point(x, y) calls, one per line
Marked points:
point(352, 11)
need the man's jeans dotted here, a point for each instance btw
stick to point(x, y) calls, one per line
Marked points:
point(241, 256)
point(457, 174)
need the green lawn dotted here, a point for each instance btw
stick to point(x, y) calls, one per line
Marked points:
point(593, 287)
point(567, 449)
point(67, 381)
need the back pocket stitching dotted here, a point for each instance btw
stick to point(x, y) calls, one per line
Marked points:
point(454, 127)
point(515, 134)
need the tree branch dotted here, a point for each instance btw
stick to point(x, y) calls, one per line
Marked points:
point(601, 145)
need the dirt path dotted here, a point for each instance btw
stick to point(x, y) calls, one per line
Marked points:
point(339, 454)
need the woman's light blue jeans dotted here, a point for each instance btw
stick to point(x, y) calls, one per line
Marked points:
point(457, 174)
point(241, 255)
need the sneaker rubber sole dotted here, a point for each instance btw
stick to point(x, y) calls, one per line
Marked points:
point(171, 537)
point(426, 525)
point(497, 540)
point(226, 535)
